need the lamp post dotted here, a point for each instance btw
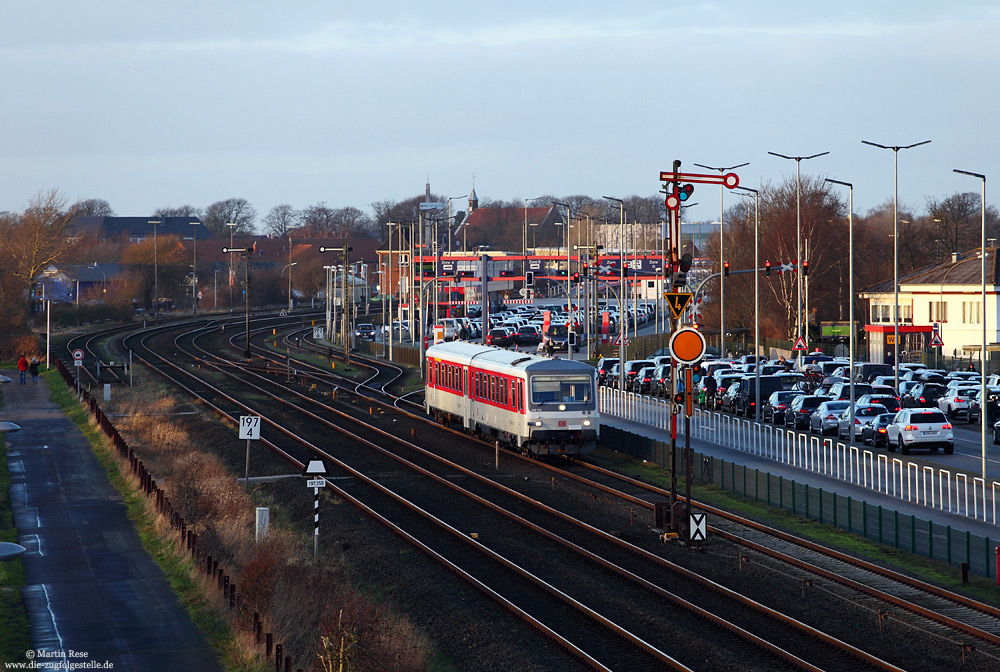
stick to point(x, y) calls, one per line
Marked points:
point(622, 319)
point(722, 278)
point(215, 293)
point(569, 271)
point(524, 242)
point(156, 274)
point(850, 284)
point(756, 293)
point(798, 238)
point(895, 244)
point(982, 365)
point(194, 268)
point(245, 253)
point(453, 198)
point(289, 267)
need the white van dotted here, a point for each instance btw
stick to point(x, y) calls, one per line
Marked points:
point(452, 327)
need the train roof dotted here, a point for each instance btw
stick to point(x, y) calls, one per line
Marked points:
point(491, 356)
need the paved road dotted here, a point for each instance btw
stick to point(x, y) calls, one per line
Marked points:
point(90, 586)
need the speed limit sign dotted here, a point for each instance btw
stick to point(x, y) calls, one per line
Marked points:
point(78, 355)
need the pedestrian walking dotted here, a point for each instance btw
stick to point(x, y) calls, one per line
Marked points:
point(22, 366)
point(33, 370)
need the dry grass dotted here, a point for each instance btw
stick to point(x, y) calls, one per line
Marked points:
point(304, 604)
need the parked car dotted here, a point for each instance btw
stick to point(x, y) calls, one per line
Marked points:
point(724, 383)
point(842, 391)
point(774, 408)
point(612, 377)
point(865, 371)
point(924, 395)
point(956, 402)
point(661, 380)
point(747, 398)
point(500, 337)
point(604, 365)
point(920, 427)
point(890, 401)
point(873, 431)
point(824, 419)
point(798, 412)
point(861, 415)
point(728, 401)
point(527, 335)
point(632, 369)
point(642, 382)
point(365, 332)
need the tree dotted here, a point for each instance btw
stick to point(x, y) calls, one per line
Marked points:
point(958, 220)
point(182, 211)
point(823, 226)
point(280, 220)
point(316, 221)
point(232, 210)
point(93, 207)
point(36, 238)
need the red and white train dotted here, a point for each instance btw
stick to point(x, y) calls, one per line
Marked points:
point(538, 405)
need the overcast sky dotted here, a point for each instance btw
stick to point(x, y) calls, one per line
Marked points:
point(148, 104)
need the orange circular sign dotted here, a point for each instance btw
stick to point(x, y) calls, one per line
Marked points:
point(687, 345)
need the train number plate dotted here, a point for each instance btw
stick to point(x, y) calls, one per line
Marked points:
point(563, 423)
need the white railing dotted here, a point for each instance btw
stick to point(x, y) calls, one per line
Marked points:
point(928, 486)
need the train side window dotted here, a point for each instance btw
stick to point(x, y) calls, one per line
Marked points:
point(503, 391)
point(462, 379)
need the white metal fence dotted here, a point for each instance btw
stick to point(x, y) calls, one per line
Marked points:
point(896, 476)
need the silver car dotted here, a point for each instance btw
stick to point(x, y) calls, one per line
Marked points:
point(825, 418)
point(862, 414)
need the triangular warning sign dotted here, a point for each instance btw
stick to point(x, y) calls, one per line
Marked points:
point(800, 344)
point(935, 341)
point(677, 301)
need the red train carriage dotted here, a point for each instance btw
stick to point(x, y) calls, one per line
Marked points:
point(539, 405)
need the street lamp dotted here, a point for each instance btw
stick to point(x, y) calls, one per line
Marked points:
point(289, 267)
point(245, 253)
point(722, 277)
point(756, 293)
point(622, 318)
point(850, 284)
point(799, 328)
point(569, 272)
point(156, 274)
point(982, 365)
point(895, 243)
point(453, 198)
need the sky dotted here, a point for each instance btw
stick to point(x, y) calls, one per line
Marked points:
point(148, 105)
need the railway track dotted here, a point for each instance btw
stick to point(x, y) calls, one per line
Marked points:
point(649, 580)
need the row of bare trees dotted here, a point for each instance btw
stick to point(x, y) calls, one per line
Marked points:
point(951, 224)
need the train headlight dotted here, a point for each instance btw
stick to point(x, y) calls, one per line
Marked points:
point(586, 423)
point(538, 423)
point(562, 407)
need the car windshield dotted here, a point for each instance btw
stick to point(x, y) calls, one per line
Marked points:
point(560, 389)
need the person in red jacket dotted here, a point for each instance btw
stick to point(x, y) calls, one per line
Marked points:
point(22, 366)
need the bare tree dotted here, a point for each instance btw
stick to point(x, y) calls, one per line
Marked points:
point(957, 220)
point(37, 238)
point(181, 211)
point(280, 220)
point(93, 207)
point(232, 210)
point(316, 221)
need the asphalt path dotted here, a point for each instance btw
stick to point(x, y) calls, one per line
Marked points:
point(92, 592)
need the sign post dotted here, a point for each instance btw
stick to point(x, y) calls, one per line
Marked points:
point(315, 469)
point(78, 362)
point(249, 430)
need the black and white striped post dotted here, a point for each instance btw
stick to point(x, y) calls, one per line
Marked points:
point(315, 470)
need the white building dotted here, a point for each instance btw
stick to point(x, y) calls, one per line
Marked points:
point(945, 298)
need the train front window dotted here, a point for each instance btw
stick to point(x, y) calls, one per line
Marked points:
point(560, 389)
